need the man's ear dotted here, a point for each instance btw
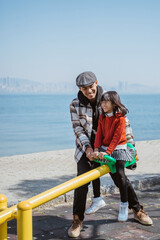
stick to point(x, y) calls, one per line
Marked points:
point(96, 82)
point(79, 88)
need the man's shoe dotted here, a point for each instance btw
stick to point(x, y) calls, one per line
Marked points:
point(97, 203)
point(142, 217)
point(123, 212)
point(75, 229)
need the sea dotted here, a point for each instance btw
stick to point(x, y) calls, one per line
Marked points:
point(39, 123)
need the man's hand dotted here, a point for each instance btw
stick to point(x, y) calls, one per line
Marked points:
point(89, 152)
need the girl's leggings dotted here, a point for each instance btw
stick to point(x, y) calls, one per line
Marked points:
point(121, 180)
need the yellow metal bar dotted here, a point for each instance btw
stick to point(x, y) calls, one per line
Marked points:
point(8, 214)
point(3, 226)
point(24, 221)
point(68, 186)
point(52, 193)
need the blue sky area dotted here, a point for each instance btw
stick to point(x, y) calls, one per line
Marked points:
point(55, 40)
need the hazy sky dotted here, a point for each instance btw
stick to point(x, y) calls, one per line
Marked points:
point(55, 40)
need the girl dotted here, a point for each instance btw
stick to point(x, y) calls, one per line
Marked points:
point(111, 140)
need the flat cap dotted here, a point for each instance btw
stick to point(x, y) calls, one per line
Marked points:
point(85, 79)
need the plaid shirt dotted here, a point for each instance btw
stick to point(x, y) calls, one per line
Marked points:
point(82, 122)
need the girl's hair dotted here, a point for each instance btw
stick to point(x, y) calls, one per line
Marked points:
point(116, 102)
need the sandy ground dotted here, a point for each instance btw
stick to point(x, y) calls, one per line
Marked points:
point(24, 176)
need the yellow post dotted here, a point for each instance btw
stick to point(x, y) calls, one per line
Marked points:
point(3, 226)
point(24, 221)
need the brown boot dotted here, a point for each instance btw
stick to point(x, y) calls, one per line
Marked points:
point(142, 217)
point(75, 229)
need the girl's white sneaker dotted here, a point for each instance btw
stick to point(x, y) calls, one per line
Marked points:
point(97, 203)
point(123, 212)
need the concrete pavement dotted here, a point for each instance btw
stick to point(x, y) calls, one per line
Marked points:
point(53, 223)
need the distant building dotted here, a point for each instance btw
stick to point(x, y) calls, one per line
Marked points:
point(123, 86)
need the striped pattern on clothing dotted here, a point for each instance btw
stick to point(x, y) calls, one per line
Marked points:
point(81, 117)
point(124, 154)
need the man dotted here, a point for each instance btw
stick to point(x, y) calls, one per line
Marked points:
point(85, 111)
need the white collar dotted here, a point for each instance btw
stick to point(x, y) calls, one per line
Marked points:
point(109, 114)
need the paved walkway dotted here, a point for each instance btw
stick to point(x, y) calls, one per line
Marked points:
point(53, 223)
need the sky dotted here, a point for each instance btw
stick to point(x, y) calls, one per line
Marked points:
point(55, 40)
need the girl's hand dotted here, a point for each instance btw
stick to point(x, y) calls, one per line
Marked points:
point(95, 155)
point(101, 154)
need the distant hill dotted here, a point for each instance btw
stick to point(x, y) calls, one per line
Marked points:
point(22, 86)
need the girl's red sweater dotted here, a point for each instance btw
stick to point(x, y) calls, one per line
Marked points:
point(110, 132)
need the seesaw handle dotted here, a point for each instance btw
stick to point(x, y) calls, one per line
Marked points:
point(110, 159)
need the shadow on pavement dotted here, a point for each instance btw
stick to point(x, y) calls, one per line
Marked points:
point(53, 223)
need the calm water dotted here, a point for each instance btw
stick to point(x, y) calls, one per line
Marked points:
point(37, 123)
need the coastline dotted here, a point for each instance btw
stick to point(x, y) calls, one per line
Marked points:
point(24, 176)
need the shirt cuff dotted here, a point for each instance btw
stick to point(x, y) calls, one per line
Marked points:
point(85, 146)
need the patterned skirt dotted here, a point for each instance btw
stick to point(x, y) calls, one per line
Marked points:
point(122, 154)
